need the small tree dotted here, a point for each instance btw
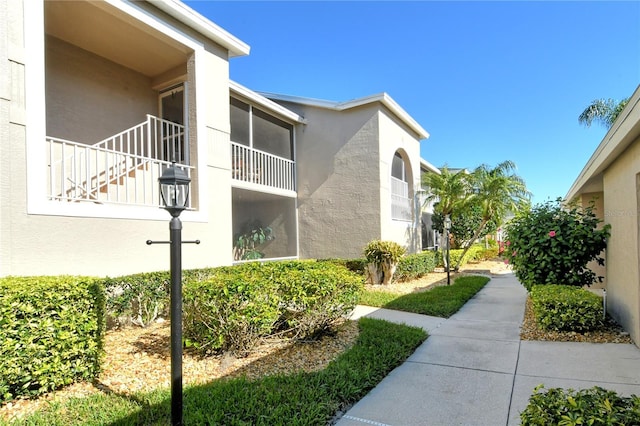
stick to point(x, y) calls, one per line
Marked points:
point(382, 260)
point(464, 223)
point(553, 245)
point(498, 191)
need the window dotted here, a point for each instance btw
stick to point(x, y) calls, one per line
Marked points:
point(259, 130)
point(400, 201)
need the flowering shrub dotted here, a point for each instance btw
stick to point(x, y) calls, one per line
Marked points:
point(552, 245)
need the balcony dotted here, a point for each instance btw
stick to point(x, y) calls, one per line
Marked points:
point(255, 167)
point(122, 169)
point(400, 201)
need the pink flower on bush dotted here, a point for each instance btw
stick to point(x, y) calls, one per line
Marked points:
point(506, 261)
point(508, 243)
point(552, 234)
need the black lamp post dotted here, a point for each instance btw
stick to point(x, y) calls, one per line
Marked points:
point(174, 193)
point(447, 228)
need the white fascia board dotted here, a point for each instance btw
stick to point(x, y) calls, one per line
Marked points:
point(623, 132)
point(264, 102)
point(393, 106)
point(382, 98)
point(429, 167)
point(193, 19)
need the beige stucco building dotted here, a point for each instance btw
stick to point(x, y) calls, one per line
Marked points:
point(611, 177)
point(98, 97)
point(358, 174)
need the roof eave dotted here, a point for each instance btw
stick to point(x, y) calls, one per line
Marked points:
point(429, 167)
point(264, 102)
point(624, 131)
point(193, 19)
point(382, 98)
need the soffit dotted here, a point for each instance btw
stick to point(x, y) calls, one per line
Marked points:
point(106, 32)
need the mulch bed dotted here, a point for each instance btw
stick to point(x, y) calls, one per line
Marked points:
point(611, 332)
point(138, 359)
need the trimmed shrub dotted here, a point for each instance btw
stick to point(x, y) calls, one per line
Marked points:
point(314, 295)
point(142, 298)
point(233, 307)
point(354, 265)
point(489, 253)
point(594, 406)
point(415, 265)
point(566, 308)
point(552, 244)
point(454, 256)
point(51, 333)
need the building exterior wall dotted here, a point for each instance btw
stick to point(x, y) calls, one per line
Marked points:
point(38, 236)
point(90, 98)
point(621, 211)
point(393, 138)
point(338, 181)
point(597, 200)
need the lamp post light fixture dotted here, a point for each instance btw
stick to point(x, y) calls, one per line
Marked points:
point(447, 227)
point(174, 194)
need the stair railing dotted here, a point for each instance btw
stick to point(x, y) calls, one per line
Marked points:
point(93, 173)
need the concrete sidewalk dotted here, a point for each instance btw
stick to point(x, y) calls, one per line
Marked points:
point(474, 370)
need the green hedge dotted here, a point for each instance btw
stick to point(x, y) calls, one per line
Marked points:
point(594, 406)
point(140, 297)
point(51, 333)
point(234, 307)
point(354, 265)
point(415, 265)
point(566, 308)
point(476, 253)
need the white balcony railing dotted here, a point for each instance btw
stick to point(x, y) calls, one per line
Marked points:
point(79, 172)
point(259, 167)
point(400, 201)
point(154, 138)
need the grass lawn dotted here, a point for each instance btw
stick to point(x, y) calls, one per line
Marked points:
point(299, 399)
point(442, 301)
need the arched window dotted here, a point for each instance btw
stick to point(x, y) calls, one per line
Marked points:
point(400, 200)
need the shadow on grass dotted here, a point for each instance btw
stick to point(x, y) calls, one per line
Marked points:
point(297, 399)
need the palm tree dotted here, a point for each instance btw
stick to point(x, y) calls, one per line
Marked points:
point(449, 189)
point(498, 191)
point(603, 111)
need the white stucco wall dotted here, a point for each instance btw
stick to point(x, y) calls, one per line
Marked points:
point(338, 181)
point(395, 137)
point(38, 236)
point(344, 169)
point(90, 98)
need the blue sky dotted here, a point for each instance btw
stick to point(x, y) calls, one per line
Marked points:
point(490, 81)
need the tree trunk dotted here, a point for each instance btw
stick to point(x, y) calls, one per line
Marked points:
point(468, 245)
point(373, 274)
point(388, 269)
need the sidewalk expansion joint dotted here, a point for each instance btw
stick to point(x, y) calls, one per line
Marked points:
point(482, 370)
point(365, 421)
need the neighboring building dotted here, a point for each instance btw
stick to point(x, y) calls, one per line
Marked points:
point(611, 178)
point(430, 237)
point(98, 97)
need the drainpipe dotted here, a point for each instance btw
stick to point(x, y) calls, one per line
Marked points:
point(604, 304)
